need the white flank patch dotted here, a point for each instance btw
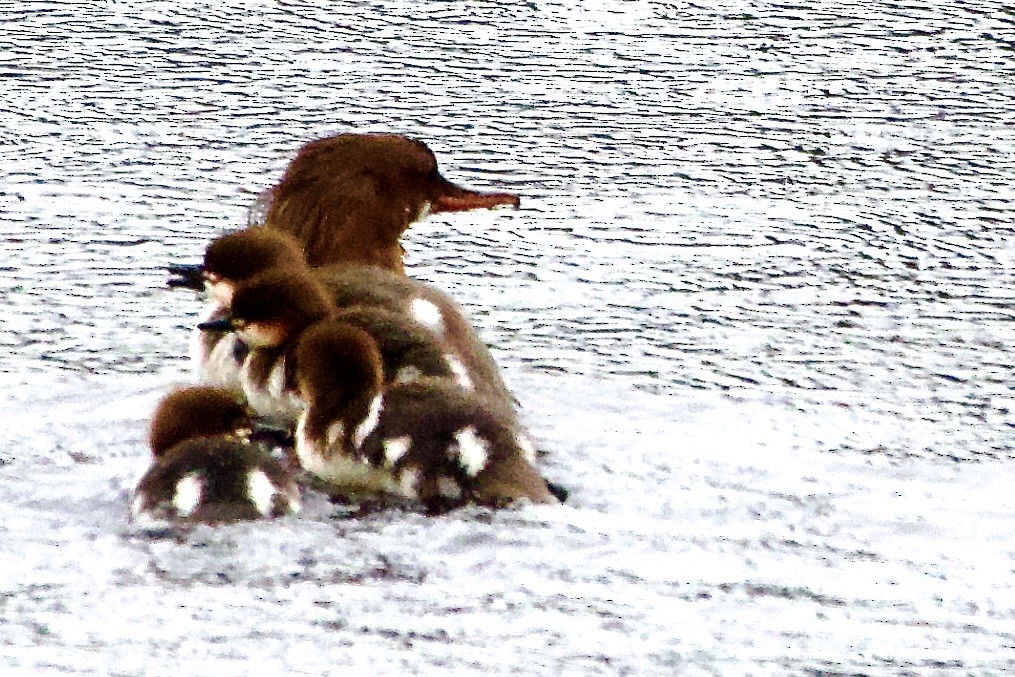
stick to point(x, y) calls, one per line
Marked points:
point(342, 471)
point(198, 356)
point(408, 374)
point(427, 314)
point(217, 367)
point(424, 211)
point(261, 491)
point(408, 481)
point(526, 447)
point(137, 506)
point(291, 492)
point(459, 370)
point(472, 450)
point(189, 492)
point(359, 435)
point(336, 431)
point(292, 406)
point(448, 488)
point(276, 379)
point(354, 476)
point(396, 448)
point(306, 448)
point(273, 401)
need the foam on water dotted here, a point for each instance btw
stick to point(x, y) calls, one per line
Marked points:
point(706, 531)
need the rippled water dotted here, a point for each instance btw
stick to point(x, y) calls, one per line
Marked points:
point(807, 208)
point(755, 197)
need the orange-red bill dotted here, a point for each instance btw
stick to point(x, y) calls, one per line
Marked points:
point(467, 200)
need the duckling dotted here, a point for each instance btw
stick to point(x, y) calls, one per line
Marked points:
point(270, 312)
point(238, 257)
point(429, 440)
point(205, 469)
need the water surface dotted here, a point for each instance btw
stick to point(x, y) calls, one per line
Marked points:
point(774, 240)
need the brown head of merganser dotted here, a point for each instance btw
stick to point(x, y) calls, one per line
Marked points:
point(205, 468)
point(349, 197)
point(429, 440)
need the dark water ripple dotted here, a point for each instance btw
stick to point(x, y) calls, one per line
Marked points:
point(808, 203)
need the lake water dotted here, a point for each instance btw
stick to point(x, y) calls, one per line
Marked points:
point(759, 303)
